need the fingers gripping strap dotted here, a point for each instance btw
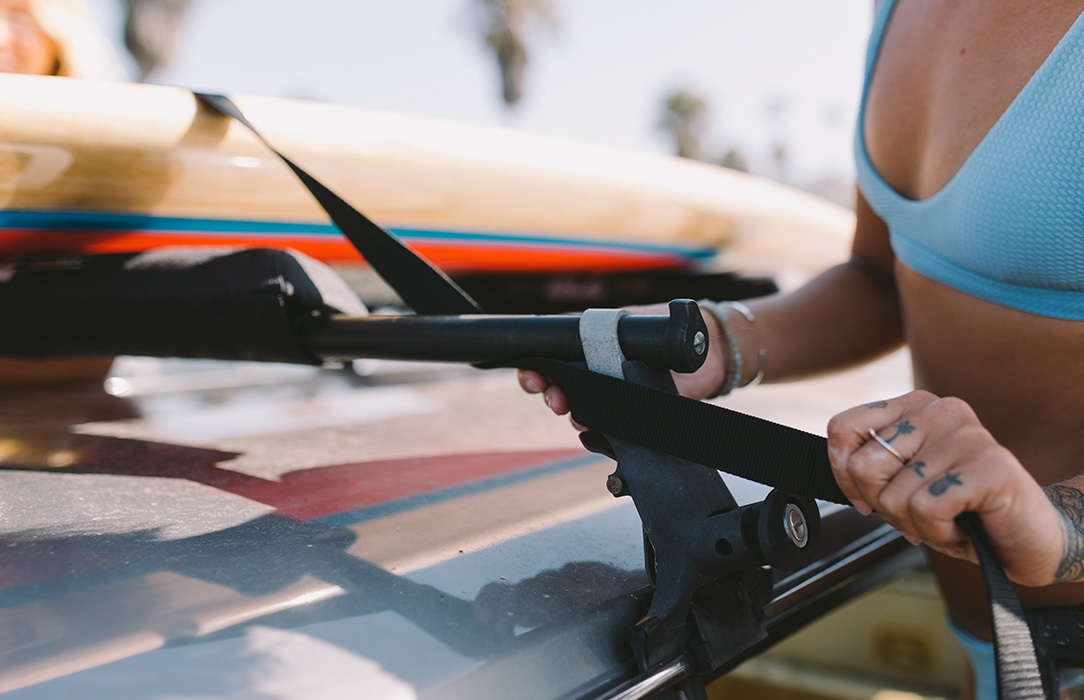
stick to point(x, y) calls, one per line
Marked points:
point(598, 334)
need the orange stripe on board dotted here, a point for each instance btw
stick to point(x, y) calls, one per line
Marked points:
point(451, 257)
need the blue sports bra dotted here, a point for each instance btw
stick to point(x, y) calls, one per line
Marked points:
point(1009, 226)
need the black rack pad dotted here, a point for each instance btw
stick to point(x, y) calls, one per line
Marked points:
point(173, 302)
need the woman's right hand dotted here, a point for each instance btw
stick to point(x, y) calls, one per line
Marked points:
point(699, 385)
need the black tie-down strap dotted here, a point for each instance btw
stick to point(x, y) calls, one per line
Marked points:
point(423, 287)
point(1018, 671)
point(704, 434)
point(713, 436)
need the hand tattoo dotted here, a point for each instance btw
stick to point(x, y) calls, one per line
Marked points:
point(902, 428)
point(877, 404)
point(917, 466)
point(1070, 503)
point(941, 485)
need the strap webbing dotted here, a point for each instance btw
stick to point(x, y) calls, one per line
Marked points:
point(423, 287)
point(723, 439)
point(1018, 675)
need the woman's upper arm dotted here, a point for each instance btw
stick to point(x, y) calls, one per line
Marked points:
point(871, 246)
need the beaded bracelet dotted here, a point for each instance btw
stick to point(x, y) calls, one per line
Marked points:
point(734, 360)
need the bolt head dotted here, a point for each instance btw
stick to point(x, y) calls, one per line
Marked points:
point(700, 343)
point(795, 526)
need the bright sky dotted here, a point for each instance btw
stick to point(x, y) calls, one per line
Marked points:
point(602, 78)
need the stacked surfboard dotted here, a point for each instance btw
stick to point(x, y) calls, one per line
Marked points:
point(109, 167)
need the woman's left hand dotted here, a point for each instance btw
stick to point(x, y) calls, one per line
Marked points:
point(935, 461)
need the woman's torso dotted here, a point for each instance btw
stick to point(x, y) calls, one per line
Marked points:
point(945, 75)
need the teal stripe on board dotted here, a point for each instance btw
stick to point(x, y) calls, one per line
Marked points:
point(44, 221)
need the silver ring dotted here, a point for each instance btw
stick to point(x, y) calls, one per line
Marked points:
point(887, 445)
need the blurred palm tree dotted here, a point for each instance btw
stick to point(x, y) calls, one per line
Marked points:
point(778, 109)
point(685, 117)
point(150, 32)
point(504, 26)
point(734, 160)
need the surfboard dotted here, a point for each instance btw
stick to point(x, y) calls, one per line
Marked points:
point(96, 167)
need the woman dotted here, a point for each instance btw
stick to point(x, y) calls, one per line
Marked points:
point(969, 247)
point(53, 37)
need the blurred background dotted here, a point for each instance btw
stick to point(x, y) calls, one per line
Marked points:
point(769, 87)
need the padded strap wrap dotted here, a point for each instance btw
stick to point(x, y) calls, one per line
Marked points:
point(183, 302)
